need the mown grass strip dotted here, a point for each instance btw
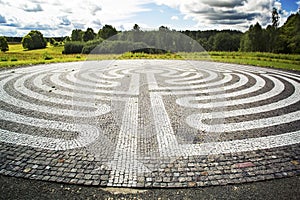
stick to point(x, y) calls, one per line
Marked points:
point(17, 56)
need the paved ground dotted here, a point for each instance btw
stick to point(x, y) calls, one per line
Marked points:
point(19, 188)
point(149, 123)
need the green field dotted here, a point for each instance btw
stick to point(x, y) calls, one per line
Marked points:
point(17, 56)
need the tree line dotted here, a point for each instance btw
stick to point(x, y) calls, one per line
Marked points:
point(275, 39)
point(284, 39)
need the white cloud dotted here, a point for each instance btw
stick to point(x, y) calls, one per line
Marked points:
point(174, 18)
point(225, 14)
point(32, 7)
point(60, 17)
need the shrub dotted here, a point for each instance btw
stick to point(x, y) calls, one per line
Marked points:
point(3, 59)
point(13, 59)
point(150, 51)
point(117, 47)
point(47, 56)
point(34, 40)
point(3, 44)
point(73, 47)
point(52, 41)
point(90, 45)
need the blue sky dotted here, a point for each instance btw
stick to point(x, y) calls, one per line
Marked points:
point(60, 17)
point(290, 5)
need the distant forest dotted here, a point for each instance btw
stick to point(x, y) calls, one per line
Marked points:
point(275, 39)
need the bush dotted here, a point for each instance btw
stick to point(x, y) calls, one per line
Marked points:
point(3, 59)
point(73, 47)
point(90, 45)
point(88, 48)
point(13, 59)
point(34, 40)
point(151, 51)
point(116, 47)
point(3, 44)
point(47, 56)
point(52, 41)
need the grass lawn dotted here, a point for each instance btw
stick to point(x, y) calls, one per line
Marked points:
point(282, 61)
point(17, 56)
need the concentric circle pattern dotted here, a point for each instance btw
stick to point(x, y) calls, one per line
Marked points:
point(149, 123)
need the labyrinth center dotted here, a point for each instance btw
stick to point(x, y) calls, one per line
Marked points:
point(127, 122)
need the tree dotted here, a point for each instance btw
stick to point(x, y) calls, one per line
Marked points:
point(34, 40)
point(76, 35)
point(163, 28)
point(272, 38)
point(225, 41)
point(289, 35)
point(254, 39)
point(275, 18)
point(88, 35)
point(136, 27)
point(3, 44)
point(272, 33)
point(67, 39)
point(107, 31)
point(27, 42)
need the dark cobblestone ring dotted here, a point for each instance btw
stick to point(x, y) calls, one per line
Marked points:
point(149, 123)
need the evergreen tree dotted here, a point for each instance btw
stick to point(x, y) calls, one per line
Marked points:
point(254, 39)
point(3, 44)
point(77, 35)
point(88, 35)
point(107, 31)
point(275, 18)
point(289, 38)
point(136, 27)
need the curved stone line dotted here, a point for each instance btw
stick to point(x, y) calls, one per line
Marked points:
point(97, 82)
point(249, 144)
point(217, 86)
point(245, 68)
point(188, 101)
point(168, 145)
point(227, 78)
point(175, 72)
point(184, 81)
point(55, 79)
point(256, 70)
point(38, 83)
point(99, 110)
point(195, 120)
point(87, 133)
point(5, 97)
point(184, 77)
point(242, 82)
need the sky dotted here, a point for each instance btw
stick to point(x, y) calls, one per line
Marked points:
point(60, 17)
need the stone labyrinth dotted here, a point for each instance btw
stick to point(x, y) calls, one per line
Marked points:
point(149, 123)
